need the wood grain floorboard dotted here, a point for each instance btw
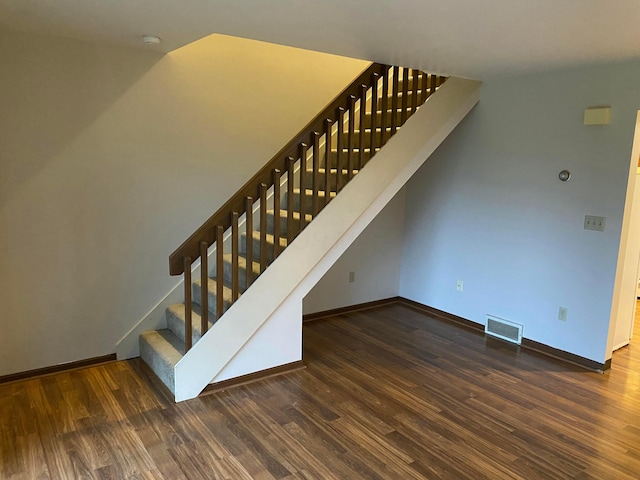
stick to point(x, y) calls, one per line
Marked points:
point(388, 393)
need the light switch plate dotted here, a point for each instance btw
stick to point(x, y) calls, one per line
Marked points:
point(592, 222)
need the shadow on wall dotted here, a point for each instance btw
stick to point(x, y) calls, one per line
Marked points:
point(46, 106)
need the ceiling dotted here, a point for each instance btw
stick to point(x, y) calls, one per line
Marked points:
point(471, 38)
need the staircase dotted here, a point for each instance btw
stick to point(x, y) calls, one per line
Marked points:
point(252, 230)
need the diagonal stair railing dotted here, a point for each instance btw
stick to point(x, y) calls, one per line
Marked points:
point(264, 216)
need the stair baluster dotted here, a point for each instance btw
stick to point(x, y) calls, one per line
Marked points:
point(328, 129)
point(405, 95)
point(340, 113)
point(315, 172)
point(415, 75)
point(374, 117)
point(204, 292)
point(219, 272)
point(361, 130)
point(276, 210)
point(263, 226)
point(248, 236)
point(350, 139)
point(188, 305)
point(433, 80)
point(423, 88)
point(302, 206)
point(394, 100)
point(291, 166)
point(384, 121)
point(235, 275)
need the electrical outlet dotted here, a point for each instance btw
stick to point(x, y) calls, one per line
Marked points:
point(352, 277)
point(562, 313)
point(592, 222)
point(459, 285)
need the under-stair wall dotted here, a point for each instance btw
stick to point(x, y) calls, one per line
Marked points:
point(375, 276)
point(276, 295)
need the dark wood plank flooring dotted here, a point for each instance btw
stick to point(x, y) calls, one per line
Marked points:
point(387, 394)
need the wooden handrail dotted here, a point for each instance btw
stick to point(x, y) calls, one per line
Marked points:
point(206, 233)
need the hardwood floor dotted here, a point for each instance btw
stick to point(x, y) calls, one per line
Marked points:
point(387, 394)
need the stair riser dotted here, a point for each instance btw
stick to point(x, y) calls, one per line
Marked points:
point(378, 115)
point(242, 275)
point(367, 138)
point(297, 198)
point(177, 326)
point(283, 224)
point(355, 142)
point(212, 299)
point(295, 202)
point(255, 246)
point(333, 156)
point(333, 175)
point(367, 118)
point(159, 365)
point(357, 161)
point(306, 198)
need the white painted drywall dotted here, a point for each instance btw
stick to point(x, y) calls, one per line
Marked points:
point(277, 342)
point(375, 257)
point(294, 273)
point(110, 157)
point(488, 207)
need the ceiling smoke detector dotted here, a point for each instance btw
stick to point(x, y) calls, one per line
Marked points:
point(151, 39)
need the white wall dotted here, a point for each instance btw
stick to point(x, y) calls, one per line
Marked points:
point(375, 257)
point(488, 208)
point(110, 157)
point(276, 343)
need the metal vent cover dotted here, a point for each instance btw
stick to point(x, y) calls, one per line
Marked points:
point(504, 329)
